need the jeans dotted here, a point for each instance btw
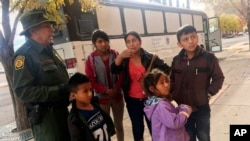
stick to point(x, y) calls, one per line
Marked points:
point(198, 124)
point(135, 110)
point(118, 112)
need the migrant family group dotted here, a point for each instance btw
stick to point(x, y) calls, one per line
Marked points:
point(111, 81)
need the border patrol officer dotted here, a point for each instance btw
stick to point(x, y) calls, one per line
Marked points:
point(40, 79)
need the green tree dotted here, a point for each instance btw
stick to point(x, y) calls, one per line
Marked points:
point(7, 34)
point(229, 23)
point(239, 7)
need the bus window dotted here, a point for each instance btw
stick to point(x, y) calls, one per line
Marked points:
point(85, 23)
point(107, 17)
point(85, 27)
point(213, 25)
point(172, 21)
point(186, 19)
point(198, 22)
point(154, 21)
point(133, 20)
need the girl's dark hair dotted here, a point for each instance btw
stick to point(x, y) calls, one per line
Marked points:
point(99, 34)
point(151, 79)
point(185, 30)
point(76, 80)
point(134, 34)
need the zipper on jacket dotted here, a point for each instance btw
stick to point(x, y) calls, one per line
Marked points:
point(196, 71)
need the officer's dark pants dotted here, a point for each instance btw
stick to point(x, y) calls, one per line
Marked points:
point(135, 110)
point(53, 127)
point(198, 124)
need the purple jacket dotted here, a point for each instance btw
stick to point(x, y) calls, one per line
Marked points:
point(166, 121)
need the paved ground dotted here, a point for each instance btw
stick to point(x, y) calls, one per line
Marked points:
point(230, 105)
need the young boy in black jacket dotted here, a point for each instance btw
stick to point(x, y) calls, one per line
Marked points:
point(87, 121)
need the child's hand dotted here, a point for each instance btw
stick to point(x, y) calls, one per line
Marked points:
point(185, 114)
point(118, 91)
point(189, 108)
point(185, 108)
point(110, 92)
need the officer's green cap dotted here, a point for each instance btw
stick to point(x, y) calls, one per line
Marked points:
point(33, 18)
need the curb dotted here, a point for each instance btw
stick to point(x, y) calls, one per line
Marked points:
point(8, 135)
point(232, 50)
point(4, 84)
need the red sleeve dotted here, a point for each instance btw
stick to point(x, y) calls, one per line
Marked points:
point(90, 72)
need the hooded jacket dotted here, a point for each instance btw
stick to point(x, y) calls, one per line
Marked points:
point(193, 79)
point(96, 71)
point(167, 123)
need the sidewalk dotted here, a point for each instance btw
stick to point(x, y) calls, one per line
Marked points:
point(3, 84)
point(242, 49)
point(229, 53)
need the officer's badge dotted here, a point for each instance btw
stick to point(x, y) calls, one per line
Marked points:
point(19, 62)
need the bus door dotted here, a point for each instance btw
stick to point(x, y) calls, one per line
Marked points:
point(66, 53)
point(82, 50)
point(214, 35)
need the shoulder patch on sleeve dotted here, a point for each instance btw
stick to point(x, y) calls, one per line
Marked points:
point(19, 62)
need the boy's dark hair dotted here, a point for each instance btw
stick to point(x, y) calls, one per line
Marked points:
point(99, 34)
point(151, 79)
point(134, 34)
point(77, 79)
point(185, 30)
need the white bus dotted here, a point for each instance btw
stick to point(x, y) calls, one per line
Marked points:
point(156, 24)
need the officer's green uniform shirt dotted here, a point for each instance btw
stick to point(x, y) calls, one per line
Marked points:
point(37, 73)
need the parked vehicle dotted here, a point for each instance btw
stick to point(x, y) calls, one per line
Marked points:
point(241, 34)
point(229, 35)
